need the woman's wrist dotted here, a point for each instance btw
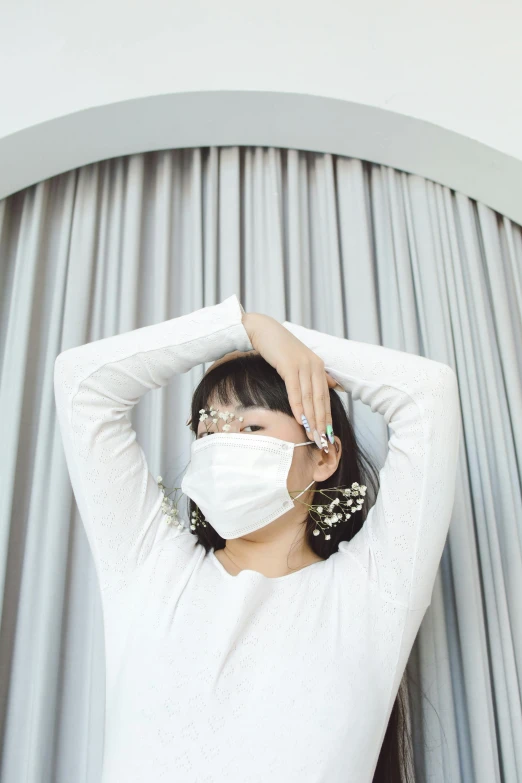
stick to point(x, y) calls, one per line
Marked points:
point(259, 325)
point(249, 322)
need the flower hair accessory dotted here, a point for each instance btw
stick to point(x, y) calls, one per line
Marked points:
point(326, 514)
point(215, 415)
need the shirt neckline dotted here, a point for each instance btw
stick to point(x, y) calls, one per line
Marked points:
point(249, 571)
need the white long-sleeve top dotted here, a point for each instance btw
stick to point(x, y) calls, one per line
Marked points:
point(214, 678)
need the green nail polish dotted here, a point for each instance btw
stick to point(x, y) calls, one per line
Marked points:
point(329, 432)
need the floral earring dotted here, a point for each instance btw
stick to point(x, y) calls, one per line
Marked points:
point(170, 509)
point(327, 516)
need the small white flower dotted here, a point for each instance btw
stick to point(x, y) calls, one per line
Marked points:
point(328, 537)
point(355, 485)
point(241, 418)
point(159, 479)
point(336, 501)
point(316, 532)
point(202, 410)
point(226, 427)
point(320, 510)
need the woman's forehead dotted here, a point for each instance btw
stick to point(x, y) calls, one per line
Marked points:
point(234, 407)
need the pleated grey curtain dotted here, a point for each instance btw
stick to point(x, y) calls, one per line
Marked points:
point(341, 245)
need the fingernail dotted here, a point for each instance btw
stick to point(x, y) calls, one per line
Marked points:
point(329, 430)
point(305, 422)
point(317, 439)
point(324, 442)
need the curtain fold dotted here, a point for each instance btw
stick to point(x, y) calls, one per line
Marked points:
point(345, 246)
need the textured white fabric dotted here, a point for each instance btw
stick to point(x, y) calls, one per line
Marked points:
point(247, 679)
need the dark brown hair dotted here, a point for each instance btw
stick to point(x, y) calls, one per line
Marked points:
point(253, 381)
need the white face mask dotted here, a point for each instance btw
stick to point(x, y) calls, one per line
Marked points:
point(238, 480)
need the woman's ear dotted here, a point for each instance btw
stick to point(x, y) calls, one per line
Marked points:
point(326, 464)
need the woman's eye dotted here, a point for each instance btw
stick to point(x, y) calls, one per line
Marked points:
point(248, 427)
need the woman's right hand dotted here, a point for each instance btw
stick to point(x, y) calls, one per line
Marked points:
point(302, 370)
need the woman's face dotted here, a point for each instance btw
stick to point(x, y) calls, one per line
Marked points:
point(307, 465)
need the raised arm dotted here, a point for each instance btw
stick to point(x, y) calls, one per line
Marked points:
point(402, 539)
point(96, 385)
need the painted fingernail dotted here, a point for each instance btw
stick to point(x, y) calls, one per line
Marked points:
point(329, 430)
point(317, 439)
point(305, 422)
point(324, 442)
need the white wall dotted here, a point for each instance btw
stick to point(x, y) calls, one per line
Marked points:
point(446, 72)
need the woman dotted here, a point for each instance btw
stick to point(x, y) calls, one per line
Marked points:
point(266, 640)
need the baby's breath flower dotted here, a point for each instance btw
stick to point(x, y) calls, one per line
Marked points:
point(328, 518)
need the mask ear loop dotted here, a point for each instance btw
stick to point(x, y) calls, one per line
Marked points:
point(310, 484)
point(304, 490)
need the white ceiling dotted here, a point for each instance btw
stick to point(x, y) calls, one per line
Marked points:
point(432, 88)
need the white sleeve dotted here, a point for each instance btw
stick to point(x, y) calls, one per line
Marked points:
point(96, 385)
point(402, 539)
